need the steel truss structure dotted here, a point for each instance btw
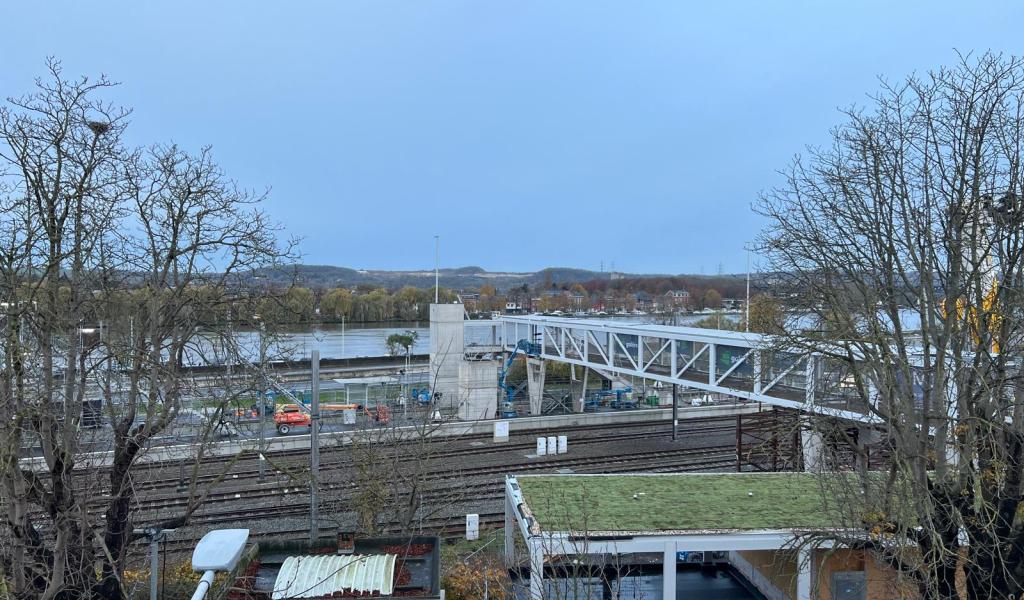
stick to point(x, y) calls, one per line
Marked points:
point(716, 361)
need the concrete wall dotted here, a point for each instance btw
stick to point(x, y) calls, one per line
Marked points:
point(755, 576)
point(478, 389)
point(882, 582)
point(776, 571)
point(447, 346)
point(777, 567)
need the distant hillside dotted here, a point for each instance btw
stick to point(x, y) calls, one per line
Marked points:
point(323, 276)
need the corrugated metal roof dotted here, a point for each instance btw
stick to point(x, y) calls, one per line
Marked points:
point(317, 576)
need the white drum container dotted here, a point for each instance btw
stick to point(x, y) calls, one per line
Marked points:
point(563, 444)
point(542, 446)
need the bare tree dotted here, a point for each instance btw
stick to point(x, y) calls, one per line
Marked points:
point(903, 238)
point(97, 237)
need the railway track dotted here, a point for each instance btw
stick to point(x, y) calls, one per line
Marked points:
point(478, 494)
point(242, 479)
point(622, 463)
point(465, 471)
point(151, 476)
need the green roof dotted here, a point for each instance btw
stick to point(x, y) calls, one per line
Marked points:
point(678, 502)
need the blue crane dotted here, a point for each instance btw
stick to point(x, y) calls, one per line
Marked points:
point(522, 346)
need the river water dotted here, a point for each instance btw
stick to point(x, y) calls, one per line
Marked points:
point(369, 339)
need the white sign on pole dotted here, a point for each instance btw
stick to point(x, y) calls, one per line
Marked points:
point(501, 431)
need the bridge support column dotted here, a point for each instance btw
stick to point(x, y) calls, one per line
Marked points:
point(866, 436)
point(447, 350)
point(535, 369)
point(811, 445)
point(668, 571)
point(579, 402)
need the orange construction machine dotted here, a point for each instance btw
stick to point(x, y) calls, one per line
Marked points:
point(288, 416)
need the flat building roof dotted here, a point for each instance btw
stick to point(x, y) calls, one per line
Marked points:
point(677, 503)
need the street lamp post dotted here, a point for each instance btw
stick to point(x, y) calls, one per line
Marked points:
point(219, 550)
point(314, 446)
point(746, 304)
point(261, 391)
point(155, 536)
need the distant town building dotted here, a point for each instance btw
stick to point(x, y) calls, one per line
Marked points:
point(675, 299)
point(732, 303)
point(644, 301)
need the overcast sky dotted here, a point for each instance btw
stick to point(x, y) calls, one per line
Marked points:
point(525, 134)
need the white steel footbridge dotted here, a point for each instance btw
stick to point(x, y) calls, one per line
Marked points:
point(728, 362)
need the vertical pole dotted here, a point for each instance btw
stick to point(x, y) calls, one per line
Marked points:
point(437, 268)
point(739, 443)
point(261, 391)
point(231, 342)
point(154, 564)
point(536, 570)
point(803, 577)
point(775, 441)
point(746, 304)
point(675, 411)
point(712, 364)
point(668, 572)
point(314, 446)
point(343, 336)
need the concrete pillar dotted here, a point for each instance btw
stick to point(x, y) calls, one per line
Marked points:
point(810, 379)
point(803, 576)
point(510, 531)
point(812, 446)
point(668, 572)
point(866, 436)
point(447, 347)
point(756, 356)
point(535, 369)
point(536, 570)
point(578, 404)
point(478, 389)
point(712, 364)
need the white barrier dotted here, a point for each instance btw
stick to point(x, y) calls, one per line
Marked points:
point(563, 444)
point(542, 446)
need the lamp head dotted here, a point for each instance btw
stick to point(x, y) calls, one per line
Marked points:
point(219, 550)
